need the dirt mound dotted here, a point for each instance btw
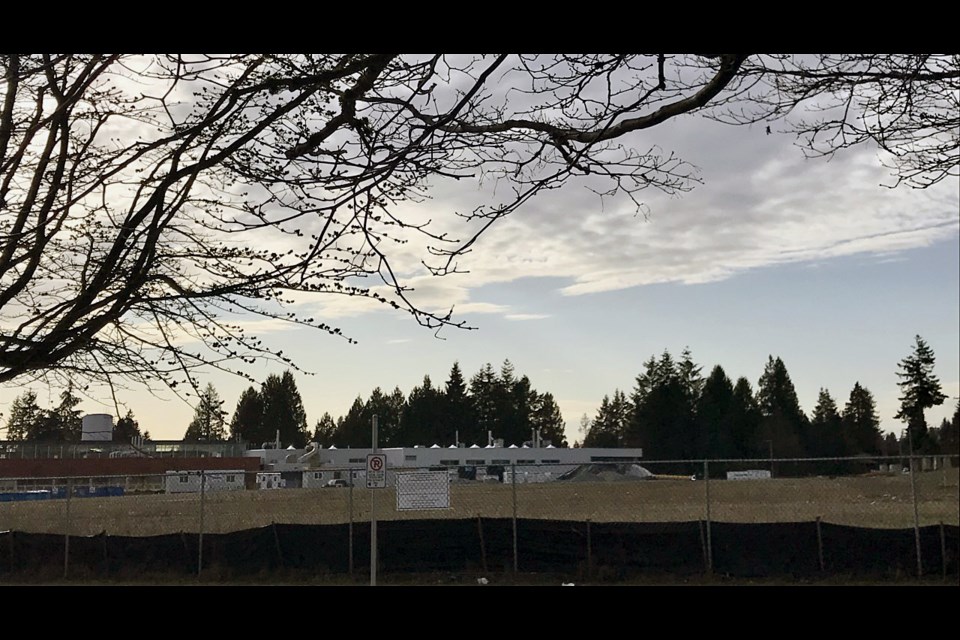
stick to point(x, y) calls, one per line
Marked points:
point(607, 473)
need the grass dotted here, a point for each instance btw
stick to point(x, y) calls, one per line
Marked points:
point(880, 501)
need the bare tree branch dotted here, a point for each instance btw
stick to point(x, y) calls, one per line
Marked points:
point(151, 204)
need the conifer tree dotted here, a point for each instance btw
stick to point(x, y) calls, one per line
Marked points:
point(714, 417)
point(745, 422)
point(608, 428)
point(353, 429)
point(545, 417)
point(517, 399)
point(283, 410)
point(782, 422)
point(638, 432)
point(126, 429)
point(60, 424)
point(486, 392)
point(376, 405)
point(247, 422)
point(826, 434)
point(891, 445)
point(424, 417)
point(861, 426)
point(458, 409)
point(583, 429)
point(209, 419)
point(26, 417)
point(950, 435)
point(662, 421)
point(920, 390)
point(325, 431)
point(689, 373)
point(388, 410)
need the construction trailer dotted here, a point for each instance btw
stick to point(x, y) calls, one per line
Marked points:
point(270, 480)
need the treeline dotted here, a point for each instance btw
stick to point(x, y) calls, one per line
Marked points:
point(62, 423)
point(499, 404)
point(674, 413)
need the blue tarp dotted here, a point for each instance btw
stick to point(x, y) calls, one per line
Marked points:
point(61, 492)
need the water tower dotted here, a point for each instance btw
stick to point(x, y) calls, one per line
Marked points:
point(97, 427)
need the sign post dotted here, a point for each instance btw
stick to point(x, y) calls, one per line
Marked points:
point(376, 462)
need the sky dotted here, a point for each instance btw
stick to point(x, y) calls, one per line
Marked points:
point(774, 254)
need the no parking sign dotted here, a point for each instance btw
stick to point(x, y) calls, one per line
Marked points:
point(376, 471)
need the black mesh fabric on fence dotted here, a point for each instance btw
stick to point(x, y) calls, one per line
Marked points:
point(602, 551)
point(852, 549)
point(551, 546)
point(39, 554)
point(890, 552)
point(131, 557)
point(88, 556)
point(425, 545)
point(765, 549)
point(619, 549)
point(242, 553)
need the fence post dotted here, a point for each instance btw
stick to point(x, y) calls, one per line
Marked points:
point(13, 556)
point(66, 535)
point(703, 546)
point(916, 515)
point(186, 545)
point(589, 552)
point(513, 481)
point(706, 481)
point(106, 556)
point(276, 542)
point(483, 548)
point(820, 544)
point(350, 541)
point(203, 494)
point(943, 551)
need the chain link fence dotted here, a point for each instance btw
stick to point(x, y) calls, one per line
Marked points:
point(697, 515)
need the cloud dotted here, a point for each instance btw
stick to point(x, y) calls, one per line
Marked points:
point(480, 307)
point(772, 209)
point(761, 204)
point(526, 316)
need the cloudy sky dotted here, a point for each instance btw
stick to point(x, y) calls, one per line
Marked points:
point(811, 260)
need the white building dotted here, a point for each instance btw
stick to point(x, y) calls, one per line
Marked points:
point(270, 480)
point(191, 481)
point(531, 464)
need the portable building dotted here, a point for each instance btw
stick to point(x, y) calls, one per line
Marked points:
point(192, 481)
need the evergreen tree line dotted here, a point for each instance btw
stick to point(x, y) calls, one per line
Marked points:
point(62, 423)
point(674, 413)
point(496, 404)
point(501, 405)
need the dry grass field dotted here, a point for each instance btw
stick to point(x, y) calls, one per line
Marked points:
point(879, 501)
